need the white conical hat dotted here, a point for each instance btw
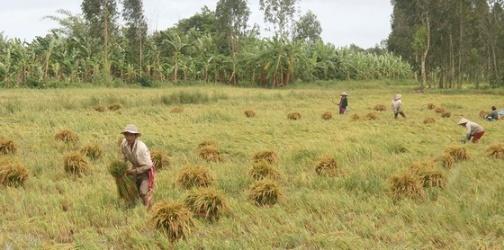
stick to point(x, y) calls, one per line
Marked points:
point(131, 129)
point(344, 93)
point(462, 121)
point(397, 96)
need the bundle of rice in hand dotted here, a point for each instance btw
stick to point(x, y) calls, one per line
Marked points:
point(126, 187)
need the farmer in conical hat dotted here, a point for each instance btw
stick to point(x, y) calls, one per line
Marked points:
point(397, 106)
point(474, 130)
point(343, 103)
point(137, 153)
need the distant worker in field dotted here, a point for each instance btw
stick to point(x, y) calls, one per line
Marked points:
point(493, 115)
point(474, 130)
point(343, 103)
point(142, 169)
point(397, 106)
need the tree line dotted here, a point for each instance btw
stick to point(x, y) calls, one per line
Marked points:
point(110, 42)
point(450, 42)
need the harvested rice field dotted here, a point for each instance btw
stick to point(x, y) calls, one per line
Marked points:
point(271, 171)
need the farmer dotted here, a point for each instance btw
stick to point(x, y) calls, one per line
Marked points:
point(494, 115)
point(474, 130)
point(142, 170)
point(343, 103)
point(397, 106)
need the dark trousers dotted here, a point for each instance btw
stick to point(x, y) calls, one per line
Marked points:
point(399, 113)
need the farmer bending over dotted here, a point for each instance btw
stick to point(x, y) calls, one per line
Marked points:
point(343, 103)
point(136, 152)
point(494, 115)
point(397, 106)
point(474, 130)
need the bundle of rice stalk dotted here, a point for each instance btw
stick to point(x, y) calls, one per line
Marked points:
point(446, 160)
point(250, 113)
point(431, 106)
point(114, 107)
point(433, 178)
point(207, 143)
point(380, 108)
point(160, 159)
point(67, 136)
point(194, 176)
point(210, 154)
point(263, 169)
point(7, 147)
point(428, 174)
point(429, 120)
point(446, 114)
point(439, 110)
point(126, 187)
point(294, 116)
point(483, 114)
point(268, 156)
point(206, 203)
point(327, 166)
point(177, 110)
point(99, 109)
point(75, 164)
point(327, 116)
point(264, 193)
point(407, 185)
point(458, 153)
point(496, 151)
point(92, 151)
point(173, 219)
point(12, 174)
point(371, 116)
point(355, 117)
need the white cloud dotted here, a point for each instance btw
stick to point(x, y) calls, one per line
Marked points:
point(362, 22)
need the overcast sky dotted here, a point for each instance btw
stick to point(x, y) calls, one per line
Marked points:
point(362, 22)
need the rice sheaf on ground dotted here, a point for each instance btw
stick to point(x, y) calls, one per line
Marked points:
point(354, 210)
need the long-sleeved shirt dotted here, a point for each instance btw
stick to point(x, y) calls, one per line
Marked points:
point(343, 102)
point(396, 105)
point(473, 128)
point(493, 115)
point(138, 155)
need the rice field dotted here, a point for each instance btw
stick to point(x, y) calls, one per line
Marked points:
point(461, 204)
